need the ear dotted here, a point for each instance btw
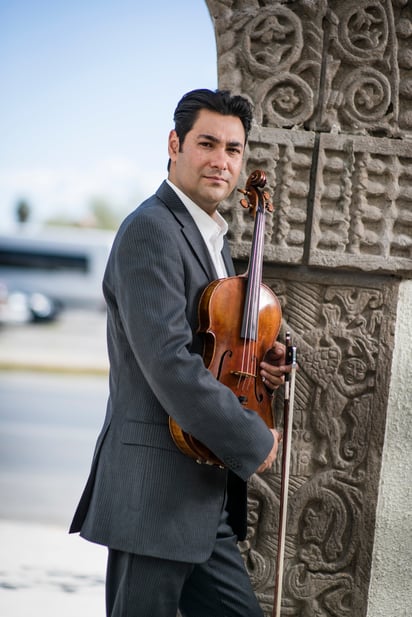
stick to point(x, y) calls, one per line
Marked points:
point(173, 145)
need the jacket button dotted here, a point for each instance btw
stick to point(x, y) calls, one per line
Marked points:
point(231, 462)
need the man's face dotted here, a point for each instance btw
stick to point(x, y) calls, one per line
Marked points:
point(208, 166)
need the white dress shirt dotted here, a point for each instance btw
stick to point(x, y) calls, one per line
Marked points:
point(213, 230)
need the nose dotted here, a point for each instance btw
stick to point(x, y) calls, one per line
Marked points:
point(219, 159)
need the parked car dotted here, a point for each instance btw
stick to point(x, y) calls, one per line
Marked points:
point(19, 306)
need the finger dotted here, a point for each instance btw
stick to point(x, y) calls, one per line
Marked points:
point(272, 379)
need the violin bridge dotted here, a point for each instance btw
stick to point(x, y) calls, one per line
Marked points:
point(243, 374)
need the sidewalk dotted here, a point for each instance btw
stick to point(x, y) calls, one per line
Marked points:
point(44, 571)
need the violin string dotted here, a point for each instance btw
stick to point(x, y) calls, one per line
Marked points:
point(247, 313)
point(245, 339)
point(249, 366)
point(252, 303)
point(257, 285)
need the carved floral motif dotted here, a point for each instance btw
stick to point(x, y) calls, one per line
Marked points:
point(323, 65)
point(339, 331)
point(331, 85)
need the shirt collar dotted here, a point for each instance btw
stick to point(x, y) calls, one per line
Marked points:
point(211, 228)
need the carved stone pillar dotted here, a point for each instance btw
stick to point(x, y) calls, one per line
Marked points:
point(331, 84)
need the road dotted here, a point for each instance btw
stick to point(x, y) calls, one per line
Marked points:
point(53, 390)
point(48, 427)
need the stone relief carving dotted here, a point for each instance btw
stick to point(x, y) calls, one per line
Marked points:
point(362, 43)
point(363, 203)
point(286, 158)
point(280, 57)
point(321, 64)
point(354, 212)
point(340, 332)
point(331, 84)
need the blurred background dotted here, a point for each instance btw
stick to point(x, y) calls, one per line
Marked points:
point(88, 94)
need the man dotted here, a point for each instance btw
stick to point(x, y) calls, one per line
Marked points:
point(172, 524)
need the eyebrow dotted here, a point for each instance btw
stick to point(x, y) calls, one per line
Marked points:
point(232, 144)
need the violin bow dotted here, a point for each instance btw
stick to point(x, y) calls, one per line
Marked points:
point(289, 397)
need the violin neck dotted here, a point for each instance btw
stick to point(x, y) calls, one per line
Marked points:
point(250, 319)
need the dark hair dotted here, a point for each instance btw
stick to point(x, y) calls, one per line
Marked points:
point(220, 101)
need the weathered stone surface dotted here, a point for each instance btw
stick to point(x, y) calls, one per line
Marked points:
point(331, 83)
point(286, 157)
point(319, 64)
point(345, 202)
point(271, 52)
point(362, 208)
point(344, 71)
point(343, 332)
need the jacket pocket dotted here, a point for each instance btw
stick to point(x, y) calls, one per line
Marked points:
point(148, 435)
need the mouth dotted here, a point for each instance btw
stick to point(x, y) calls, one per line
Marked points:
point(216, 179)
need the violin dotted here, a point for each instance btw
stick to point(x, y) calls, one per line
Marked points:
point(239, 320)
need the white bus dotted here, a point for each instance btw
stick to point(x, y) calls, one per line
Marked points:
point(67, 264)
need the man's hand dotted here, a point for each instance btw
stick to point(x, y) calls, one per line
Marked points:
point(267, 463)
point(273, 367)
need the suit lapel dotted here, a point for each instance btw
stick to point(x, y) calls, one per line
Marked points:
point(189, 228)
point(227, 258)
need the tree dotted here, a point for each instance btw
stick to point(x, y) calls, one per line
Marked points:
point(23, 211)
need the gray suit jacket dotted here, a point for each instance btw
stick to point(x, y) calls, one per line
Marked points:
point(143, 495)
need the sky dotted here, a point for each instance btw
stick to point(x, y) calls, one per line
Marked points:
point(88, 91)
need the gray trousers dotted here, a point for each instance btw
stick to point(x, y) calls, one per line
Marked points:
point(140, 586)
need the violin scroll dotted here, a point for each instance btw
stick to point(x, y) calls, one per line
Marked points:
point(256, 197)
